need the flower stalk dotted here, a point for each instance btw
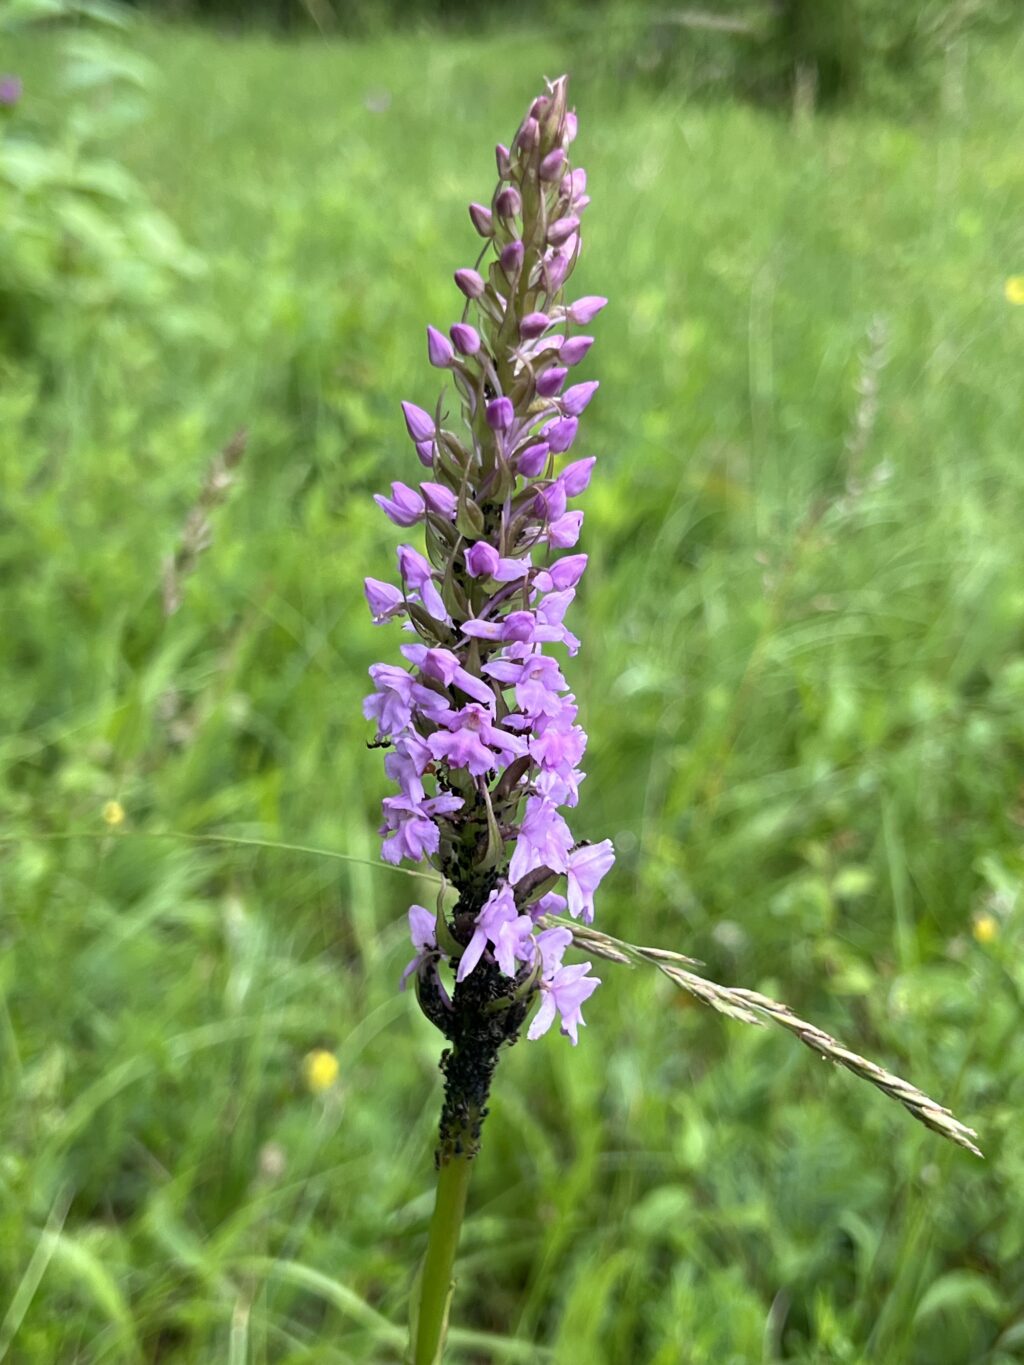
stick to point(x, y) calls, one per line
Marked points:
point(433, 1294)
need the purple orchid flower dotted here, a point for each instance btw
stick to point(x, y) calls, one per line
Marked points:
point(485, 743)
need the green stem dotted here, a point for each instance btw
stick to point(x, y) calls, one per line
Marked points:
point(435, 1288)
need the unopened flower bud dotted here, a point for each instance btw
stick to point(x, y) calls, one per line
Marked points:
point(439, 499)
point(550, 502)
point(575, 184)
point(466, 338)
point(471, 284)
point(509, 202)
point(534, 325)
point(482, 560)
point(575, 477)
point(500, 414)
point(511, 260)
point(503, 159)
point(528, 135)
point(482, 220)
point(561, 433)
point(554, 271)
point(585, 310)
point(533, 459)
point(425, 451)
point(439, 349)
point(552, 164)
point(562, 229)
point(551, 381)
point(577, 398)
point(570, 126)
point(418, 423)
point(575, 349)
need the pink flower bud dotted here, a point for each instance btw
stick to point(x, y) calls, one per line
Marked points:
point(529, 134)
point(503, 158)
point(418, 423)
point(439, 349)
point(575, 349)
point(534, 325)
point(482, 560)
point(482, 220)
point(500, 414)
point(471, 284)
point(440, 499)
point(561, 433)
point(509, 202)
point(562, 229)
point(425, 451)
point(466, 338)
point(552, 165)
point(577, 398)
point(533, 459)
point(551, 381)
point(574, 184)
point(554, 271)
point(575, 477)
point(511, 260)
point(585, 310)
point(570, 126)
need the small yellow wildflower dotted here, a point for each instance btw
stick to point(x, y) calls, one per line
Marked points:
point(986, 928)
point(320, 1069)
point(1014, 289)
point(113, 814)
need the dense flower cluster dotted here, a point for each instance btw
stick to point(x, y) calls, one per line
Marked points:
point(482, 731)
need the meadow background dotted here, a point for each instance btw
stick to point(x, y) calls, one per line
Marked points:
point(803, 676)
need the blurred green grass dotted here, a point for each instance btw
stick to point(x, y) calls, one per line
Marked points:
point(803, 676)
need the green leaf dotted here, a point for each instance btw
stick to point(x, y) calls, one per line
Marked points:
point(957, 1291)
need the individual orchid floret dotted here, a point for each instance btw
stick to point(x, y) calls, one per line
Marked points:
point(587, 867)
point(385, 601)
point(423, 932)
point(508, 933)
point(563, 989)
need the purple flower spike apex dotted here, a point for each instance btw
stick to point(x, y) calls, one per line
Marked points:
point(479, 724)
